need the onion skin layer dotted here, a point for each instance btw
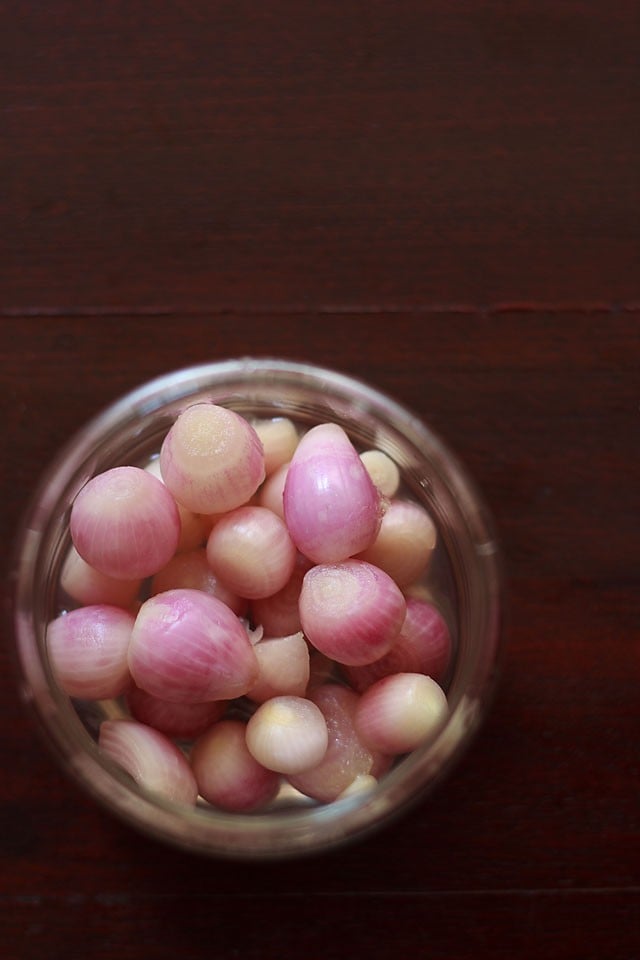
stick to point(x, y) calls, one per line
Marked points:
point(227, 775)
point(423, 646)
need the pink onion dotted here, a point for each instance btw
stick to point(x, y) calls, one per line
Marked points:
point(149, 758)
point(211, 459)
point(251, 551)
point(125, 523)
point(188, 647)
point(191, 570)
point(180, 720)
point(346, 756)
point(227, 774)
point(400, 712)
point(279, 614)
point(88, 650)
point(331, 506)
point(351, 611)
point(87, 585)
point(424, 646)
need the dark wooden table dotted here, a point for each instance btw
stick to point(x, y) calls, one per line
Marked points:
point(442, 198)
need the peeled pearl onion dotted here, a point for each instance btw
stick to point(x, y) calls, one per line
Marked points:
point(400, 712)
point(347, 756)
point(287, 734)
point(404, 544)
point(251, 551)
point(382, 470)
point(88, 650)
point(87, 585)
point(279, 439)
point(125, 523)
point(149, 758)
point(227, 774)
point(331, 507)
point(283, 664)
point(188, 647)
point(211, 459)
point(351, 611)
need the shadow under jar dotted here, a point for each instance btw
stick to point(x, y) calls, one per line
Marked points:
point(464, 579)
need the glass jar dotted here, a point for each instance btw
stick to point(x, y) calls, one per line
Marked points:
point(465, 578)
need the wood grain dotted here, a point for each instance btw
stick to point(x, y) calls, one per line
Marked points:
point(440, 199)
point(214, 156)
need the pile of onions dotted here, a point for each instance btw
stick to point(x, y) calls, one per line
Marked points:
point(248, 599)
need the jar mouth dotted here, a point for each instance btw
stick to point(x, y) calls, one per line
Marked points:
point(126, 432)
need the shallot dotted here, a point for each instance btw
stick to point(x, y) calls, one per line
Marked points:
point(331, 506)
point(211, 459)
point(251, 551)
point(287, 734)
point(125, 523)
point(423, 646)
point(347, 756)
point(398, 713)
point(150, 758)
point(88, 649)
point(404, 544)
point(189, 647)
point(351, 611)
point(227, 774)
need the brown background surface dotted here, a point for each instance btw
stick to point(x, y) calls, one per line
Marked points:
point(441, 198)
